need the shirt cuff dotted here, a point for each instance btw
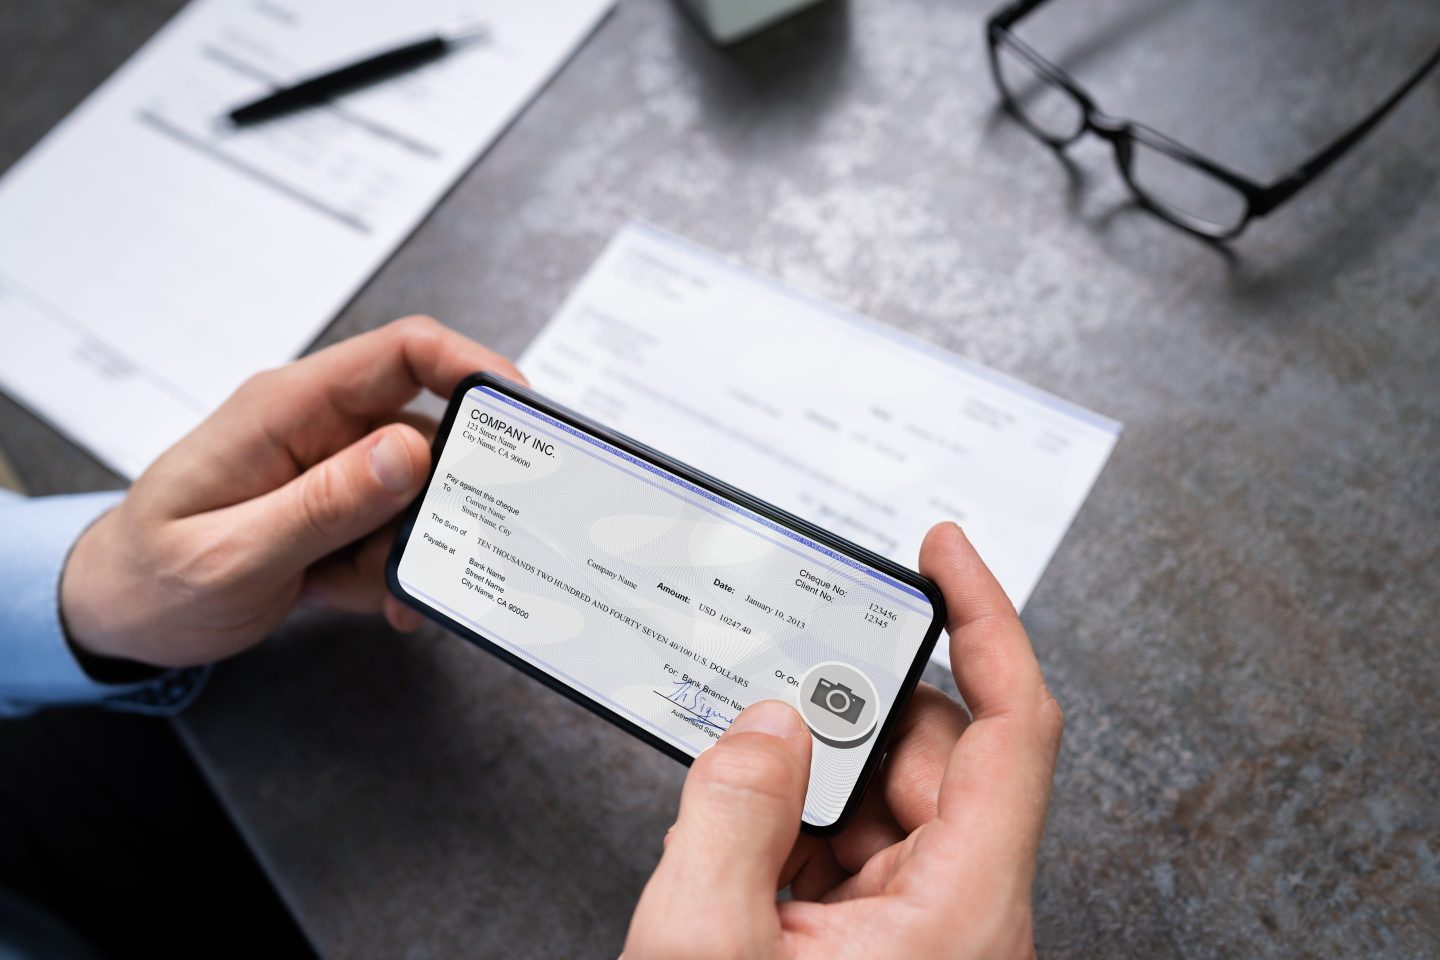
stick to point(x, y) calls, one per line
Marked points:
point(37, 666)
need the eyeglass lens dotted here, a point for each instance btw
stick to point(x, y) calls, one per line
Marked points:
point(1045, 106)
point(1184, 192)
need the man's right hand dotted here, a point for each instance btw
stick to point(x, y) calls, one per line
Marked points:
point(940, 860)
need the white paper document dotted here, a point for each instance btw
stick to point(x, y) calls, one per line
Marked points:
point(843, 421)
point(151, 259)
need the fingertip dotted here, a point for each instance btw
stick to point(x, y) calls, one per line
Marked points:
point(764, 755)
point(941, 541)
point(774, 718)
point(971, 590)
point(415, 323)
point(415, 444)
point(399, 459)
point(944, 559)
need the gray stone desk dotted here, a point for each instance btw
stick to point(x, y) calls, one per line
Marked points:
point(1242, 623)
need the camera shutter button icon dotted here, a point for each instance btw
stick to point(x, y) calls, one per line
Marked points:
point(839, 703)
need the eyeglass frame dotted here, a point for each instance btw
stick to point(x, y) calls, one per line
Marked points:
point(1260, 199)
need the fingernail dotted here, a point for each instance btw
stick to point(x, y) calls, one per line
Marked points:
point(390, 462)
point(770, 717)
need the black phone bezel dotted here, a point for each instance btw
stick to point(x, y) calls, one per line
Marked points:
point(707, 482)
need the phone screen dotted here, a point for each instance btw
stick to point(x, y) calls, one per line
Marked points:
point(644, 589)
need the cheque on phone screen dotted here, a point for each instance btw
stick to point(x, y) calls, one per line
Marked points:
point(660, 600)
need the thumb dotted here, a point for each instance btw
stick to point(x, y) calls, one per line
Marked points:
point(337, 501)
point(739, 818)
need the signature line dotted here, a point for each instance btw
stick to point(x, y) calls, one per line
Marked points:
point(704, 720)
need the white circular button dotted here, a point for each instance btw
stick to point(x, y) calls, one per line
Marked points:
point(839, 703)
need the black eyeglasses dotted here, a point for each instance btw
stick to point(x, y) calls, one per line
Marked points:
point(1169, 179)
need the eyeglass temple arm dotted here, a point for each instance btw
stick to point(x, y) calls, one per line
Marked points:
point(1288, 186)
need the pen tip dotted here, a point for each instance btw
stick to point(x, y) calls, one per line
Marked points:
point(468, 30)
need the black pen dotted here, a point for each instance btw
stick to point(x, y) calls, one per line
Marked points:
point(320, 89)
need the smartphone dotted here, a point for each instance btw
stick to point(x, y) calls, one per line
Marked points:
point(658, 597)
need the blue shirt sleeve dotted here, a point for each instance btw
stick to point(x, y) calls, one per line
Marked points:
point(37, 665)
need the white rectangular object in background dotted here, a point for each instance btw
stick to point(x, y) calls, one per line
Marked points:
point(151, 259)
point(848, 423)
point(729, 20)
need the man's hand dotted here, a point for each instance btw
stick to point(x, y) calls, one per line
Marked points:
point(939, 861)
point(281, 495)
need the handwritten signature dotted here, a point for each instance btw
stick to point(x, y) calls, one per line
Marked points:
point(689, 695)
